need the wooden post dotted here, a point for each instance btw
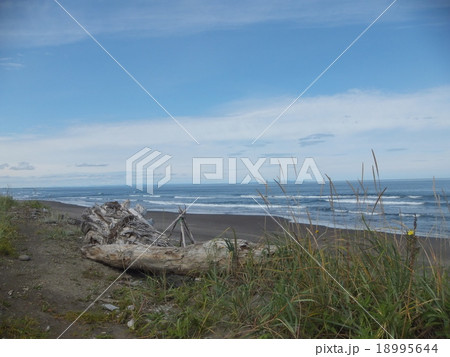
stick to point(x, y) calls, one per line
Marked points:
point(183, 227)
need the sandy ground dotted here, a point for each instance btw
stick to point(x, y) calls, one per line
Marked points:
point(41, 297)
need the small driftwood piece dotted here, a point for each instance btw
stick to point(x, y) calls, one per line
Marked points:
point(184, 229)
point(190, 260)
point(117, 223)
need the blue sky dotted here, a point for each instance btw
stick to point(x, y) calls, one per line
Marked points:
point(225, 70)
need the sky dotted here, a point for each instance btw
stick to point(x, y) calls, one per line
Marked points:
point(201, 79)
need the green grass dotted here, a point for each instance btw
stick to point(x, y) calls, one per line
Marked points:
point(8, 231)
point(60, 232)
point(291, 296)
point(33, 204)
point(8, 227)
point(7, 235)
point(6, 203)
point(12, 212)
point(25, 327)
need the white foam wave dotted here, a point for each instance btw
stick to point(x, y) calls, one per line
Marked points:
point(219, 205)
point(340, 210)
point(366, 213)
point(283, 196)
point(408, 215)
point(385, 202)
point(193, 198)
point(250, 196)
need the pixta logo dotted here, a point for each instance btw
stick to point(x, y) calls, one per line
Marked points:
point(141, 169)
point(202, 164)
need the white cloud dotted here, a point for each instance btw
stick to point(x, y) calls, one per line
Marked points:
point(11, 65)
point(314, 139)
point(354, 122)
point(22, 166)
point(91, 165)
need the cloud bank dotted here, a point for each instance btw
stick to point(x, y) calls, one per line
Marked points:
point(409, 133)
point(21, 166)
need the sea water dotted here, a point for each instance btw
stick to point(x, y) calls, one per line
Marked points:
point(390, 205)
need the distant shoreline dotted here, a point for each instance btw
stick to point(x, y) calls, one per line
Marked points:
point(258, 228)
point(341, 208)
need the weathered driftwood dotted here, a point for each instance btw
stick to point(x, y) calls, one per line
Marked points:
point(113, 222)
point(185, 231)
point(120, 236)
point(190, 260)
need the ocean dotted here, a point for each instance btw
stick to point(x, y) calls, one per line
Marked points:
point(342, 205)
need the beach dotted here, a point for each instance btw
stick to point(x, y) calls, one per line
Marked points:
point(47, 283)
point(258, 228)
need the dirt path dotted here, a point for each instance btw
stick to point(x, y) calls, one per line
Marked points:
point(42, 296)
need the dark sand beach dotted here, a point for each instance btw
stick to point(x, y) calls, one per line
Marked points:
point(260, 228)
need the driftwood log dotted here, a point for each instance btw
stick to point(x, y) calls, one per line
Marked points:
point(190, 260)
point(118, 223)
point(120, 236)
